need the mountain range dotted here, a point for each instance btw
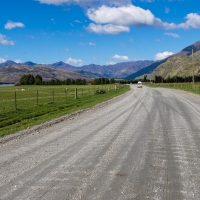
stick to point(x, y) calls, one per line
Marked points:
point(10, 72)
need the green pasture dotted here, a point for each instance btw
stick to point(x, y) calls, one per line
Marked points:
point(25, 106)
point(180, 86)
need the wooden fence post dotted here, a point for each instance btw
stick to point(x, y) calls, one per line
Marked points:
point(53, 96)
point(15, 100)
point(76, 93)
point(65, 94)
point(37, 97)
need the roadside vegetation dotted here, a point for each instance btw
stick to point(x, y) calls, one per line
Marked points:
point(28, 105)
point(180, 86)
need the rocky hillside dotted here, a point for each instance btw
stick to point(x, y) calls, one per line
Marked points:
point(150, 69)
point(147, 70)
point(12, 74)
point(179, 66)
point(188, 50)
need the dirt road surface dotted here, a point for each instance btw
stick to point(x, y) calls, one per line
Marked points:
point(142, 145)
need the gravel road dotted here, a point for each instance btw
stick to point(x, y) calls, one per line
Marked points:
point(142, 145)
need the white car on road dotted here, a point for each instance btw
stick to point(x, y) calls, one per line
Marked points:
point(139, 84)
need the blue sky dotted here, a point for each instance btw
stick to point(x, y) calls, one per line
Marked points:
point(81, 32)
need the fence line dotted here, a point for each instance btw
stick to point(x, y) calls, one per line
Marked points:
point(183, 86)
point(26, 98)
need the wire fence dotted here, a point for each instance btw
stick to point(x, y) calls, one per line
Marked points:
point(22, 98)
point(182, 86)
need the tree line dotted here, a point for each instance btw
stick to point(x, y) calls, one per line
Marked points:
point(29, 79)
point(100, 81)
point(176, 79)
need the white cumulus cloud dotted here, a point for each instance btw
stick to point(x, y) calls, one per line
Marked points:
point(116, 16)
point(107, 29)
point(87, 2)
point(167, 10)
point(149, 1)
point(5, 41)
point(172, 35)
point(110, 63)
point(193, 21)
point(133, 16)
point(163, 55)
point(2, 60)
point(92, 44)
point(77, 21)
point(18, 61)
point(10, 25)
point(129, 15)
point(77, 62)
point(55, 2)
point(118, 57)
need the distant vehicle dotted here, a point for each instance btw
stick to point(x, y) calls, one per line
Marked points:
point(139, 84)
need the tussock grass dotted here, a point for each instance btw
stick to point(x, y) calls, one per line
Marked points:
point(52, 102)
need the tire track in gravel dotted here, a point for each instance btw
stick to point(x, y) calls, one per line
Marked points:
point(36, 169)
point(59, 136)
point(143, 146)
point(173, 128)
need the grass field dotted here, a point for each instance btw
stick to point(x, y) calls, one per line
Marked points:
point(26, 106)
point(180, 86)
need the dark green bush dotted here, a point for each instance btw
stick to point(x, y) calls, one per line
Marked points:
point(100, 92)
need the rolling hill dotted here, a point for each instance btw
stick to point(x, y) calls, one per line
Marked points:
point(147, 70)
point(12, 74)
point(179, 66)
point(150, 69)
